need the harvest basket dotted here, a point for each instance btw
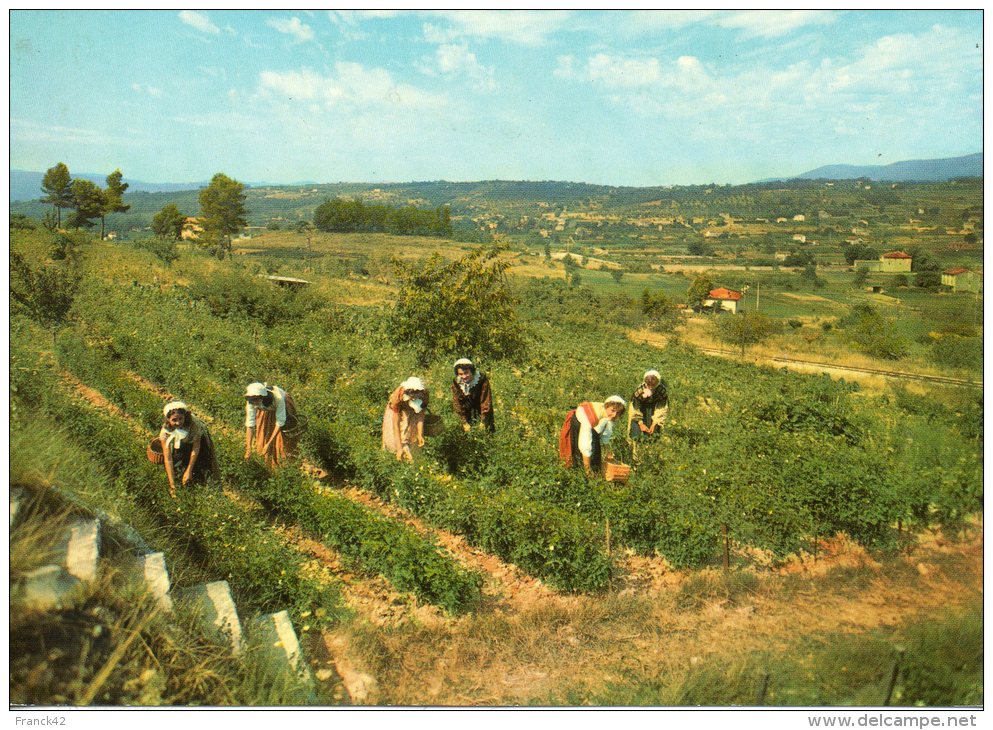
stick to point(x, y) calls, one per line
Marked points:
point(617, 472)
point(433, 425)
point(154, 451)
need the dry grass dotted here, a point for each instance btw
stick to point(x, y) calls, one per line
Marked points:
point(571, 651)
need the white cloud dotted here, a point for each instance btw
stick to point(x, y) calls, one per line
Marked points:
point(23, 131)
point(456, 60)
point(152, 91)
point(857, 96)
point(292, 26)
point(751, 23)
point(200, 21)
point(774, 23)
point(352, 84)
point(523, 27)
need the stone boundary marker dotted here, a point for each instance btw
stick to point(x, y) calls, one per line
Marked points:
point(214, 604)
point(76, 563)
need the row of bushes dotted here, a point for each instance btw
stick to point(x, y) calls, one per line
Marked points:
point(377, 544)
point(780, 458)
point(265, 574)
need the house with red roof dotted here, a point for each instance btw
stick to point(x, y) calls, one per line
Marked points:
point(962, 279)
point(896, 262)
point(726, 299)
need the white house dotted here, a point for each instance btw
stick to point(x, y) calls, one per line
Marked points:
point(726, 299)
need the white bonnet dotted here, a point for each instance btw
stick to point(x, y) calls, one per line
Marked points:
point(652, 373)
point(412, 383)
point(174, 405)
point(616, 399)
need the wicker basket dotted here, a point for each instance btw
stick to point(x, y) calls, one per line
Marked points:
point(154, 451)
point(617, 472)
point(433, 425)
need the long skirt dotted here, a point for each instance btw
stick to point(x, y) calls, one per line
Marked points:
point(284, 446)
point(206, 466)
point(569, 444)
point(408, 432)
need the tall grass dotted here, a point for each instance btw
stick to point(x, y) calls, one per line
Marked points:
point(939, 660)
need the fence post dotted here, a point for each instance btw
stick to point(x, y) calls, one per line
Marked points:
point(724, 533)
point(893, 676)
point(608, 535)
point(763, 686)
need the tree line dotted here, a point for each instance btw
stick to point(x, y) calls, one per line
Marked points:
point(341, 215)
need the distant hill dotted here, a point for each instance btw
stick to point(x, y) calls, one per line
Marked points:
point(909, 170)
point(26, 185)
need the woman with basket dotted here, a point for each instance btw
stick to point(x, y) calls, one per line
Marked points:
point(184, 446)
point(588, 428)
point(403, 419)
point(271, 423)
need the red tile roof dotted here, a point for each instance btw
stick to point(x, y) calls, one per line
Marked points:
point(955, 272)
point(897, 255)
point(725, 294)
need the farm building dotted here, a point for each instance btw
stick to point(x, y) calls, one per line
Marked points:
point(961, 279)
point(894, 262)
point(726, 299)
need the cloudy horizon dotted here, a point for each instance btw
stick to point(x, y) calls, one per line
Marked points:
point(607, 97)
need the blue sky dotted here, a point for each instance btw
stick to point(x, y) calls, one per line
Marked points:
point(612, 97)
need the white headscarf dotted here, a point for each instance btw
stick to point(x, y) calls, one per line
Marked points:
point(413, 383)
point(175, 436)
point(617, 399)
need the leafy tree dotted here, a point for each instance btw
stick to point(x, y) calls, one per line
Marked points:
point(798, 258)
point(659, 310)
point(860, 252)
point(223, 206)
point(927, 269)
point(455, 308)
point(698, 248)
point(699, 290)
point(113, 198)
point(88, 200)
point(745, 328)
point(168, 222)
point(872, 333)
point(56, 186)
point(860, 278)
point(617, 275)
point(46, 292)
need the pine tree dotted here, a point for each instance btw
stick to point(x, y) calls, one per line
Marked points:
point(57, 188)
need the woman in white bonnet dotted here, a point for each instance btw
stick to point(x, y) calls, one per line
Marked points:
point(587, 431)
point(649, 406)
point(472, 398)
point(403, 419)
point(186, 446)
